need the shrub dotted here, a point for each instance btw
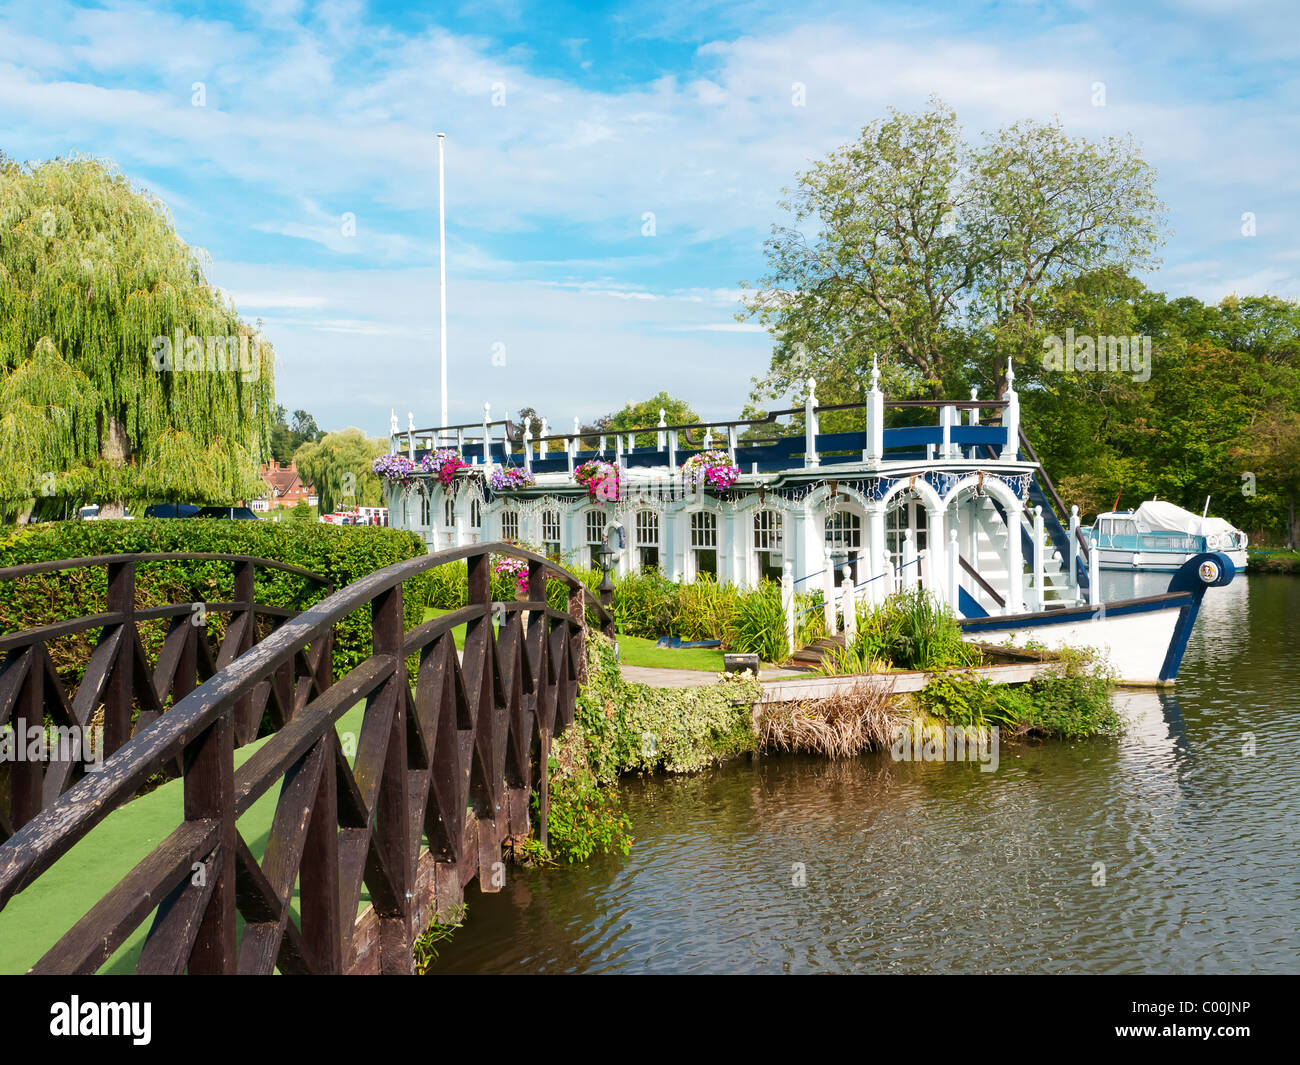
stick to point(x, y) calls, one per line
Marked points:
point(1072, 701)
point(910, 630)
point(341, 554)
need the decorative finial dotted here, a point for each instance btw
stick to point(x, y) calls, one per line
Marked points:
point(974, 394)
point(410, 420)
point(487, 411)
point(1011, 373)
point(875, 373)
point(392, 421)
point(662, 413)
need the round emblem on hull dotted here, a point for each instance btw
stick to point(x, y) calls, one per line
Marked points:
point(1209, 571)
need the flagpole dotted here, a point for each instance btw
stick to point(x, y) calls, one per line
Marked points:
point(442, 274)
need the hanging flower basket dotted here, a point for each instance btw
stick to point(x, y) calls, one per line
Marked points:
point(444, 462)
point(510, 478)
point(710, 469)
point(395, 469)
point(601, 479)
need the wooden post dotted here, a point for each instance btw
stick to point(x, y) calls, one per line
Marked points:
point(1040, 596)
point(1074, 551)
point(787, 604)
point(1011, 418)
point(954, 570)
point(121, 688)
point(1015, 562)
point(909, 561)
point(873, 451)
point(810, 457)
point(1094, 576)
point(392, 811)
point(209, 787)
point(848, 605)
point(828, 593)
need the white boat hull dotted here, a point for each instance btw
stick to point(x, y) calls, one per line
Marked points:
point(1157, 561)
point(1142, 639)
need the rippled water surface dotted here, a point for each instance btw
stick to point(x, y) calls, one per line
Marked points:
point(933, 867)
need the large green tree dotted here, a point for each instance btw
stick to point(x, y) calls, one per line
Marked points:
point(937, 254)
point(646, 413)
point(124, 373)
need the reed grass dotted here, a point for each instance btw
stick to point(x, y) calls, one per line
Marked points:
point(842, 725)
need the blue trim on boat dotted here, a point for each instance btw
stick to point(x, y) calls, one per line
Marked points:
point(968, 606)
point(1192, 577)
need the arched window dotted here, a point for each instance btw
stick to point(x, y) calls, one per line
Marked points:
point(768, 553)
point(551, 532)
point(906, 511)
point(595, 533)
point(646, 539)
point(510, 524)
point(425, 515)
point(704, 542)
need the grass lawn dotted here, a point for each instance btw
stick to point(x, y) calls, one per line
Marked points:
point(633, 651)
point(35, 919)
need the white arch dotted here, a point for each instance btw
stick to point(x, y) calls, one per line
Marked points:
point(917, 484)
point(993, 486)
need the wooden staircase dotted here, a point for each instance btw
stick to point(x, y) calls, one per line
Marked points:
point(810, 657)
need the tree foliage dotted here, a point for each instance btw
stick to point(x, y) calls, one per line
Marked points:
point(936, 255)
point(340, 466)
point(638, 415)
point(92, 272)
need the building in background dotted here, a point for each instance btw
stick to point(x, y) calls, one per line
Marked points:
point(285, 487)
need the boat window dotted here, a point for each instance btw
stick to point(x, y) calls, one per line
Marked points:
point(1126, 528)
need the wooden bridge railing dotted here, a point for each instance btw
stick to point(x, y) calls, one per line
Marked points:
point(449, 764)
point(120, 678)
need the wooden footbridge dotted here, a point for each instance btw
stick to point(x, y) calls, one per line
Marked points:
point(449, 749)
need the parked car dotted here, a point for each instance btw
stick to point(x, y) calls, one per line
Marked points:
point(236, 513)
point(91, 513)
point(171, 510)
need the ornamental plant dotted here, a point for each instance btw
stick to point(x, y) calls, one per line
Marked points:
point(395, 469)
point(601, 479)
point(711, 469)
point(510, 478)
point(515, 569)
point(444, 462)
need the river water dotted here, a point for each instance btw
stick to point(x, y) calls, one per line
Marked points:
point(939, 867)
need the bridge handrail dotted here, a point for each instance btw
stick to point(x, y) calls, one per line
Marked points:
point(198, 729)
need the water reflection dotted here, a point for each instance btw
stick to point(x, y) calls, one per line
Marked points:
point(931, 867)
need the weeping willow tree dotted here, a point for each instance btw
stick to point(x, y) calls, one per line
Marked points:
point(340, 466)
point(125, 375)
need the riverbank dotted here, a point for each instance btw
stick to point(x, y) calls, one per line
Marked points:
point(1270, 560)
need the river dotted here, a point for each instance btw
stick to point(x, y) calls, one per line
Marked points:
point(1171, 849)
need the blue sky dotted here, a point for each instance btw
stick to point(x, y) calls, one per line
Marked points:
point(262, 125)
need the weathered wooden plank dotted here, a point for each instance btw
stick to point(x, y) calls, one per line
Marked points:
point(167, 948)
point(93, 939)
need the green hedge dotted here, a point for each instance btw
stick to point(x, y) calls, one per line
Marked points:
point(341, 554)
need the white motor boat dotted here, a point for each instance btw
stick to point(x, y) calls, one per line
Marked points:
point(1161, 536)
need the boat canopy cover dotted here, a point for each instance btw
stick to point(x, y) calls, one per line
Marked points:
point(1158, 515)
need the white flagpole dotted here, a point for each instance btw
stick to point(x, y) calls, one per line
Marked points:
point(442, 275)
